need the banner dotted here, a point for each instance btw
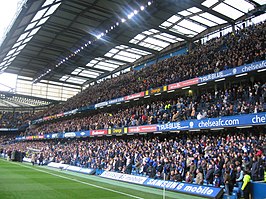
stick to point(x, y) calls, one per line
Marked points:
point(124, 177)
point(209, 123)
point(70, 135)
point(6, 129)
point(187, 188)
point(233, 71)
point(183, 84)
point(83, 133)
point(70, 112)
point(101, 104)
point(117, 131)
point(134, 96)
point(98, 132)
point(142, 129)
point(71, 168)
point(117, 100)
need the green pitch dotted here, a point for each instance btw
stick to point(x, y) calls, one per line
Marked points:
point(23, 181)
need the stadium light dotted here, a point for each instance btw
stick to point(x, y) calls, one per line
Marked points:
point(130, 15)
point(217, 129)
point(123, 20)
point(194, 130)
point(170, 91)
point(261, 70)
point(186, 87)
point(240, 75)
point(99, 36)
point(142, 8)
point(136, 12)
point(218, 80)
point(149, 3)
point(202, 84)
point(243, 127)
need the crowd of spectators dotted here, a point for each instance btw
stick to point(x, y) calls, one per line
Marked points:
point(216, 159)
point(13, 119)
point(238, 99)
point(234, 49)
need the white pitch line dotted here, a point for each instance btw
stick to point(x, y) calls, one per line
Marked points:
point(75, 180)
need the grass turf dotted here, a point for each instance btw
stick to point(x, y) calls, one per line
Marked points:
point(23, 181)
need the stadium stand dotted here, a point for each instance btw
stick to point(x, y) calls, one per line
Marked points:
point(182, 156)
point(238, 99)
point(214, 157)
point(232, 50)
point(13, 119)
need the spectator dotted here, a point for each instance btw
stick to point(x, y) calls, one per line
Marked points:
point(246, 185)
point(254, 169)
point(239, 181)
point(199, 177)
point(209, 175)
point(227, 182)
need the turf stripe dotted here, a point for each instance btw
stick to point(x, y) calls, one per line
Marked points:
point(79, 181)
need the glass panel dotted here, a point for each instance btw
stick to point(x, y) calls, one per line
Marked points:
point(209, 3)
point(30, 26)
point(39, 14)
point(240, 4)
point(184, 31)
point(156, 42)
point(88, 75)
point(212, 18)
point(192, 26)
point(109, 54)
point(228, 11)
point(16, 45)
point(11, 52)
point(52, 9)
point(27, 39)
point(113, 50)
point(124, 58)
point(194, 10)
point(42, 21)
point(127, 54)
point(21, 47)
point(23, 36)
point(47, 2)
point(203, 21)
point(34, 31)
point(140, 37)
point(104, 68)
point(261, 2)
point(166, 24)
point(185, 13)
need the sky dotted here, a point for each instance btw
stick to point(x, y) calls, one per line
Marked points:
point(8, 9)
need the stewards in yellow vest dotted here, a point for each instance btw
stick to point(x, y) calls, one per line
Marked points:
point(264, 175)
point(246, 184)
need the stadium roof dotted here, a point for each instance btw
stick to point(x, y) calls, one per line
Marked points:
point(78, 41)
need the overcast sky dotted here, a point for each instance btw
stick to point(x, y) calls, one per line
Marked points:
point(8, 9)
